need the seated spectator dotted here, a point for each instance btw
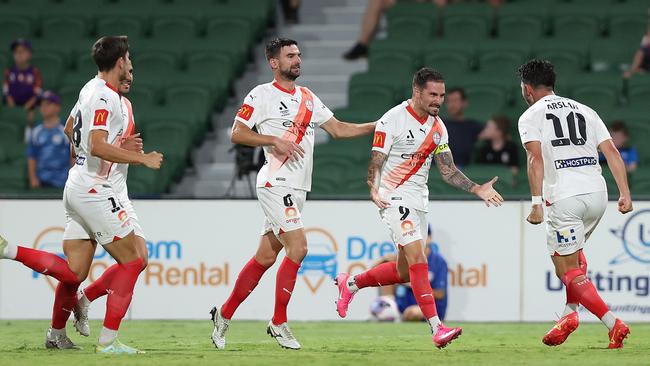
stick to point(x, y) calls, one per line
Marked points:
point(620, 138)
point(406, 303)
point(48, 149)
point(498, 147)
point(463, 132)
point(641, 60)
point(22, 82)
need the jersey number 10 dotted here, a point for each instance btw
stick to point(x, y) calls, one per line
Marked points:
point(573, 131)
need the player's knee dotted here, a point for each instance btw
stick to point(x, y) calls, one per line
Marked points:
point(267, 259)
point(297, 253)
point(145, 262)
point(80, 275)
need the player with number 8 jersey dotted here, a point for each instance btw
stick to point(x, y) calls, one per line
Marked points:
point(285, 116)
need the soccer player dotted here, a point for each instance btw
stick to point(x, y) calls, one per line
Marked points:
point(91, 204)
point(562, 138)
point(285, 115)
point(407, 139)
point(129, 141)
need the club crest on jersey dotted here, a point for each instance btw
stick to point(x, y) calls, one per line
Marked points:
point(309, 105)
point(437, 137)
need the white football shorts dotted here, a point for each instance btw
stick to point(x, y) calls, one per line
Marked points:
point(570, 222)
point(95, 213)
point(282, 207)
point(405, 225)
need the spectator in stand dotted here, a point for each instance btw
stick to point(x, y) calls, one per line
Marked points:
point(22, 82)
point(463, 132)
point(497, 147)
point(620, 137)
point(48, 149)
point(641, 60)
point(290, 10)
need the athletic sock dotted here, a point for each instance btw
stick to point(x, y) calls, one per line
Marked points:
point(434, 323)
point(10, 251)
point(585, 292)
point(101, 285)
point(246, 282)
point(609, 320)
point(57, 332)
point(285, 282)
point(65, 298)
point(121, 292)
point(46, 263)
point(569, 308)
point(422, 291)
point(382, 275)
point(107, 336)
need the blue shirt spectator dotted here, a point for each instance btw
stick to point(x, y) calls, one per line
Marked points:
point(620, 137)
point(438, 277)
point(48, 148)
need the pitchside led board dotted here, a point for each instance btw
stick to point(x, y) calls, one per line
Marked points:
point(499, 269)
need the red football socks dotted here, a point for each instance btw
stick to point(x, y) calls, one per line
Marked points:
point(120, 292)
point(419, 274)
point(570, 295)
point(585, 292)
point(382, 275)
point(100, 286)
point(46, 263)
point(246, 282)
point(285, 281)
point(65, 298)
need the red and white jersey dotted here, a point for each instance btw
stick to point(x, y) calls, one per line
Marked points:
point(120, 171)
point(98, 108)
point(410, 142)
point(570, 133)
point(290, 115)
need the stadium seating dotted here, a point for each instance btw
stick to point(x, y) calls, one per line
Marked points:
point(590, 42)
point(186, 56)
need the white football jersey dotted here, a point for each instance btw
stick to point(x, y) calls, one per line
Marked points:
point(410, 142)
point(120, 171)
point(290, 115)
point(570, 133)
point(98, 108)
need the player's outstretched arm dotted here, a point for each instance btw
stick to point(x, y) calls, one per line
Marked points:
point(377, 160)
point(617, 166)
point(345, 130)
point(455, 178)
point(243, 135)
point(535, 163)
point(100, 148)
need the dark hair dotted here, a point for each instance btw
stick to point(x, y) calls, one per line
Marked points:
point(107, 50)
point(503, 124)
point(425, 75)
point(275, 45)
point(459, 90)
point(538, 73)
point(619, 126)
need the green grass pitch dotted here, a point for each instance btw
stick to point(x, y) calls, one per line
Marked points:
point(327, 343)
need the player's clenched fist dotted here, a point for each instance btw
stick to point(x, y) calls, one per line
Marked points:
point(536, 215)
point(624, 204)
point(152, 160)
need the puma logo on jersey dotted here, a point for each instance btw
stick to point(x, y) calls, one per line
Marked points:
point(105, 101)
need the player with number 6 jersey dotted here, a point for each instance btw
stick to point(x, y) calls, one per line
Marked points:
point(407, 139)
point(562, 138)
point(285, 116)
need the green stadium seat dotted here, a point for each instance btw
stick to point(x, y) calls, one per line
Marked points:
point(482, 173)
point(69, 95)
point(520, 28)
point(412, 9)
point(464, 28)
point(333, 167)
point(599, 99)
point(389, 62)
point(174, 29)
point(500, 63)
point(569, 27)
point(10, 133)
point(484, 101)
point(451, 64)
point(611, 55)
point(564, 63)
point(51, 66)
point(437, 46)
point(14, 116)
point(64, 29)
point(154, 67)
point(13, 28)
point(129, 26)
point(13, 177)
point(468, 9)
point(638, 95)
point(388, 45)
point(233, 29)
point(141, 95)
point(194, 100)
point(628, 28)
point(410, 28)
point(371, 96)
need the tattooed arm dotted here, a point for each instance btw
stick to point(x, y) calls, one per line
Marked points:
point(454, 177)
point(377, 160)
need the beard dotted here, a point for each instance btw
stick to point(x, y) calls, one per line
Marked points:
point(289, 74)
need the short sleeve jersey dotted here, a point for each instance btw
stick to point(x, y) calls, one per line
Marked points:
point(99, 107)
point(410, 142)
point(569, 133)
point(291, 115)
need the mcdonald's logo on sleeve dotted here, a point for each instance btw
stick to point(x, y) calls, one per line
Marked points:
point(245, 112)
point(379, 139)
point(101, 115)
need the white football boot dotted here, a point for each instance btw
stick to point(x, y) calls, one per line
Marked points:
point(58, 341)
point(282, 333)
point(221, 325)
